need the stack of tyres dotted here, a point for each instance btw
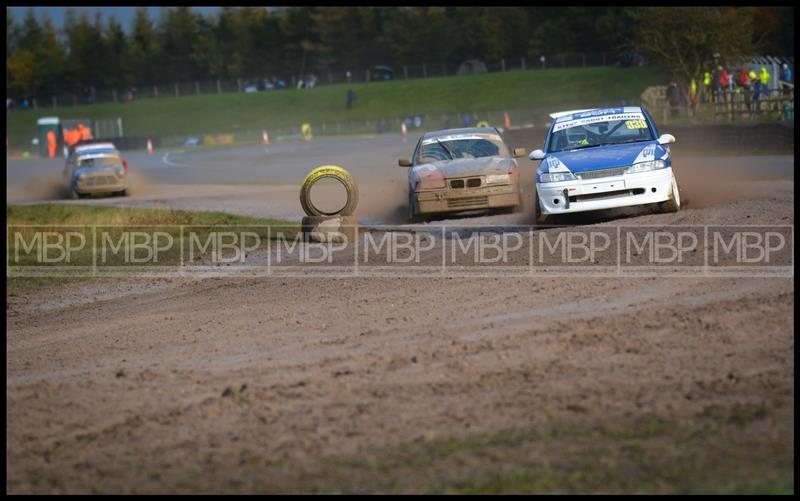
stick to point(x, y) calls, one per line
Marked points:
point(334, 226)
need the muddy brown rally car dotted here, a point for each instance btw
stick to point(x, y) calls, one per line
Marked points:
point(459, 170)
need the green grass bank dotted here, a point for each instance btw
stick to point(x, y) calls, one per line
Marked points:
point(544, 90)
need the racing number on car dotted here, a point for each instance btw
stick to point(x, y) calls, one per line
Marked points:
point(636, 124)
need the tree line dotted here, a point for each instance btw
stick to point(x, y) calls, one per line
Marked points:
point(243, 42)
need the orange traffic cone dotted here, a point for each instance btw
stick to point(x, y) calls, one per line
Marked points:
point(265, 136)
point(149, 147)
point(508, 121)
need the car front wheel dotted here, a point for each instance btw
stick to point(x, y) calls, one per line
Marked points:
point(674, 203)
point(539, 217)
point(413, 216)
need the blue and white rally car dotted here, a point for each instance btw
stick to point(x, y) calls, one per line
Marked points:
point(603, 159)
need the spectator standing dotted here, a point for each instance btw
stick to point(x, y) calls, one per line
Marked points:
point(706, 86)
point(351, 98)
point(786, 73)
point(764, 77)
point(674, 98)
point(51, 144)
point(715, 78)
point(694, 98)
point(786, 79)
point(724, 85)
point(755, 88)
point(743, 80)
point(724, 79)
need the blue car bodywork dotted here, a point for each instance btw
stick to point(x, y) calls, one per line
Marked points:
point(602, 159)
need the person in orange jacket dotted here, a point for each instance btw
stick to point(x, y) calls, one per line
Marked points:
point(51, 144)
point(85, 133)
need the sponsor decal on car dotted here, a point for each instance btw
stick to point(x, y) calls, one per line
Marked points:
point(556, 165)
point(647, 154)
point(459, 137)
point(590, 120)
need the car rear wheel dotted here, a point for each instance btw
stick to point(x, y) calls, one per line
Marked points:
point(674, 203)
point(123, 193)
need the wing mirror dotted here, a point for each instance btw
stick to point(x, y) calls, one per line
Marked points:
point(520, 152)
point(536, 155)
point(404, 162)
point(666, 139)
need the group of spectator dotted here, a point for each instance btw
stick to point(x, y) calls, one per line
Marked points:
point(722, 84)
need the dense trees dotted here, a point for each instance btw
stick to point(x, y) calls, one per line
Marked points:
point(687, 41)
point(182, 45)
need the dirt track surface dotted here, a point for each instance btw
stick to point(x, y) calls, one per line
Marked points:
point(288, 384)
point(264, 181)
point(403, 384)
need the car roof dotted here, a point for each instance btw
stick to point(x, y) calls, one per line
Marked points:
point(95, 146)
point(103, 154)
point(464, 130)
point(97, 151)
point(564, 116)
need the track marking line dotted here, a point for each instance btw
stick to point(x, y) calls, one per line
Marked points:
point(166, 160)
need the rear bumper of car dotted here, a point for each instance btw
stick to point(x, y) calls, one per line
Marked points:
point(100, 183)
point(458, 200)
point(605, 193)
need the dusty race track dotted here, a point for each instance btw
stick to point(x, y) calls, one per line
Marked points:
point(410, 384)
point(264, 181)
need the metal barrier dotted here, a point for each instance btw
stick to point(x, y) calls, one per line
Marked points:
point(742, 105)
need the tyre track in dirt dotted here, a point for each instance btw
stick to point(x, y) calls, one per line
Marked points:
point(234, 385)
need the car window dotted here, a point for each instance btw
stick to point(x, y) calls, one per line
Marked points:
point(468, 146)
point(100, 162)
point(582, 135)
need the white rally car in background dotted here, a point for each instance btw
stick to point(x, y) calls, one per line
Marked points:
point(96, 168)
point(603, 159)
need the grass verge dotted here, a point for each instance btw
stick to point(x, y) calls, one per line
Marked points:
point(722, 451)
point(228, 113)
point(80, 237)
